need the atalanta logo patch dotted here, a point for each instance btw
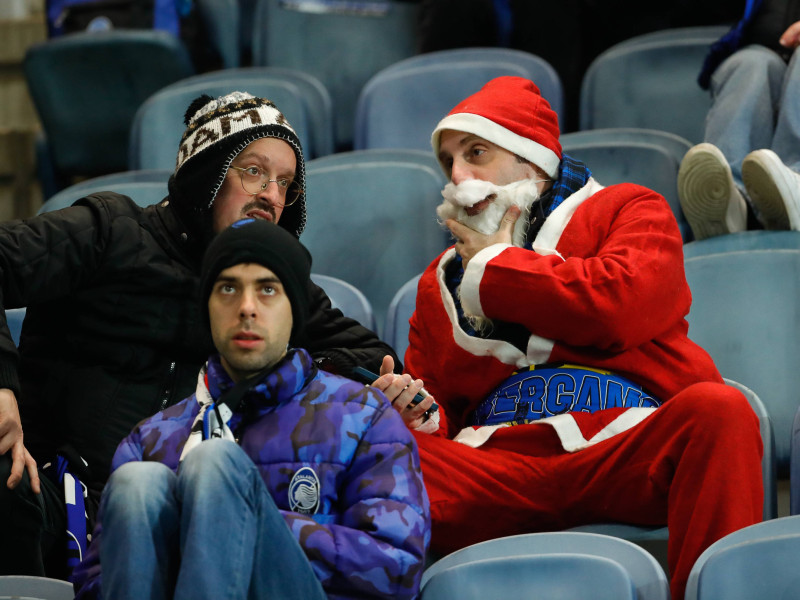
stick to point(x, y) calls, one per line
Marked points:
point(304, 492)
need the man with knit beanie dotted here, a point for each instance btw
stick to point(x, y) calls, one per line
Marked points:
point(553, 338)
point(241, 490)
point(113, 333)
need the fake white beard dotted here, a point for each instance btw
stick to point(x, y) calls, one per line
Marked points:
point(457, 198)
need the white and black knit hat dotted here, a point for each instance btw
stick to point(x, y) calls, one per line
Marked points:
point(218, 129)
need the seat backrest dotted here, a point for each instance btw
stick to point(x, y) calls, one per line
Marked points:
point(14, 318)
point(643, 156)
point(158, 124)
point(649, 579)
point(783, 534)
point(759, 239)
point(87, 87)
point(401, 307)
point(366, 36)
point(794, 475)
point(536, 68)
point(651, 84)
point(745, 313)
point(728, 574)
point(34, 588)
point(372, 221)
point(221, 21)
point(551, 576)
point(400, 106)
point(705, 33)
point(143, 187)
point(347, 298)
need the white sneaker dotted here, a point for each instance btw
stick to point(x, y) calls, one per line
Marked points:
point(711, 202)
point(773, 188)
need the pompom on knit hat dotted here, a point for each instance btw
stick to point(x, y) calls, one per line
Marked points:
point(267, 244)
point(218, 129)
point(509, 112)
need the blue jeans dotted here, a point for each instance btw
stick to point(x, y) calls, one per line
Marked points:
point(211, 531)
point(755, 105)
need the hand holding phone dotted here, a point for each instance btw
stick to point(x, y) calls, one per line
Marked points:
point(368, 377)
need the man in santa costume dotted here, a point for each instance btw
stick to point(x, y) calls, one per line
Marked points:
point(553, 338)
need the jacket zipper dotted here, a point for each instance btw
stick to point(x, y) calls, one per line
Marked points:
point(165, 397)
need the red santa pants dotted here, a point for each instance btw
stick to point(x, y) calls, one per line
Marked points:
point(695, 465)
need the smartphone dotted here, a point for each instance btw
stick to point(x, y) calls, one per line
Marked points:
point(368, 377)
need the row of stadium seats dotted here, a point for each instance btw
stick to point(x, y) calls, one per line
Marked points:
point(88, 88)
point(754, 562)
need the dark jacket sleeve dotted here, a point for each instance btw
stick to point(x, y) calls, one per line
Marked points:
point(44, 258)
point(338, 343)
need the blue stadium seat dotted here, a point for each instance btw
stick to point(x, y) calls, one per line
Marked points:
point(14, 318)
point(347, 298)
point(743, 241)
point(342, 43)
point(794, 468)
point(34, 588)
point(628, 155)
point(158, 124)
point(649, 83)
point(745, 313)
point(759, 561)
point(143, 187)
point(522, 577)
point(371, 221)
point(221, 20)
point(396, 327)
point(648, 578)
point(400, 106)
point(87, 87)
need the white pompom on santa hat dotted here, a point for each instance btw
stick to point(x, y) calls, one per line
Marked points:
point(509, 112)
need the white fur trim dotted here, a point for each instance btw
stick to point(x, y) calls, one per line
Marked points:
point(503, 351)
point(566, 428)
point(550, 233)
point(473, 275)
point(542, 156)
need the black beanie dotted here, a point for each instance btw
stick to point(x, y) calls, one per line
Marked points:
point(217, 131)
point(266, 244)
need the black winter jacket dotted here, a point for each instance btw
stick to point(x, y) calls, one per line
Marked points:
point(113, 330)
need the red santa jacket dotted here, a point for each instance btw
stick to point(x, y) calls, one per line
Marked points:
point(604, 287)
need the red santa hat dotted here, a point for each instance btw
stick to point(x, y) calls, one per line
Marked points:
point(509, 112)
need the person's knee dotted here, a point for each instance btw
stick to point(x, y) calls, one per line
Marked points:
point(137, 483)
point(22, 492)
point(752, 63)
point(717, 410)
point(211, 456)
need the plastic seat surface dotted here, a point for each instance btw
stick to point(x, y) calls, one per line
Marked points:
point(651, 84)
point(346, 298)
point(521, 577)
point(366, 36)
point(371, 222)
point(629, 158)
point(767, 531)
point(88, 86)
point(400, 106)
point(649, 579)
point(745, 313)
point(28, 587)
point(143, 187)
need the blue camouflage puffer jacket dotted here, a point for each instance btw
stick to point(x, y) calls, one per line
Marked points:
point(371, 528)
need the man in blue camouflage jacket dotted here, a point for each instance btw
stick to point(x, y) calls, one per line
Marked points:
point(320, 494)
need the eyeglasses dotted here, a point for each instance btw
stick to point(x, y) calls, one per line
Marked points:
point(255, 181)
